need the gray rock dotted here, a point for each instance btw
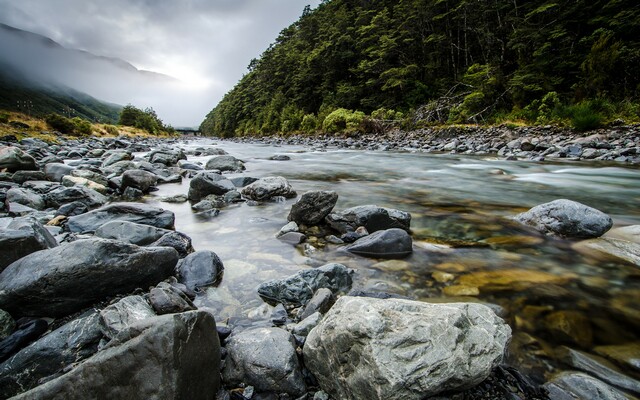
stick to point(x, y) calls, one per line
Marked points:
point(206, 183)
point(133, 212)
point(166, 157)
point(26, 198)
point(7, 324)
point(566, 218)
point(130, 232)
point(610, 248)
point(65, 195)
point(125, 312)
point(22, 237)
point(63, 280)
point(114, 157)
point(138, 179)
point(167, 357)
point(166, 299)
point(69, 181)
point(25, 333)
point(90, 175)
point(372, 217)
point(55, 171)
point(225, 163)
point(299, 288)
point(288, 228)
point(578, 386)
point(266, 188)
point(177, 240)
point(293, 238)
point(24, 176)
point(321, 301)
point(313, 207)
point(202, 268)
point(189, 165)
point(71, 209)
point(13, 159)
point(119, 168)
point(69, 344)
point(390, 243)
point(368, 348)
point(264, 358)
point(243, 181)
point(131, 194)
point(303, 327)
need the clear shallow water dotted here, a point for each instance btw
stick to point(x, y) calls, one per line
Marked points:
point(462, 236)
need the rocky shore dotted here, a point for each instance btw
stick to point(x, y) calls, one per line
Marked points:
point(97, 290)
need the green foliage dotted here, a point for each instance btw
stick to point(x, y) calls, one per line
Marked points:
point(343, 120)
point(4, 118)
point(585, 117)
point(309, 123)
point(82, 126)
point(60, 123)
point(385, 114)
point(147, 120)
point(111, 130)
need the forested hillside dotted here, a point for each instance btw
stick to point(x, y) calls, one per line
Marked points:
point(450, 60)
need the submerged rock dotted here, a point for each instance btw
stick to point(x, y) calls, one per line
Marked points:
point(578, 386)
point(369, 348)
point(389, 243)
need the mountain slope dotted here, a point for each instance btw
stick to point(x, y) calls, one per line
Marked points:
point(476, 57)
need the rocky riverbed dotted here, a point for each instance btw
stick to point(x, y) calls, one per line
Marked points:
point(102, 296)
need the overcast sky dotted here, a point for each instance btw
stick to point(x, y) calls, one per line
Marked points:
point(207, 44)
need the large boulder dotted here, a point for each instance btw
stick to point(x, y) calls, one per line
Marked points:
point(266, 359)
point(299, 288)
point(69, 344)
point(21, 237)
point(130, 232)
point(174, 356)
point(176, 240)
point(13, 159)
point(133, 212)
point(122, 314)
point(138, 179)
point(372, 217)
point(313, 207)
point(368, 348)
point(63, 280)
point(199, 269)
point(267, 188)
point(26, 198)
point(566, 218)
point(225, 163)
point(65, 195)
point(206, 183)
point(390, 243)
point(56, 171)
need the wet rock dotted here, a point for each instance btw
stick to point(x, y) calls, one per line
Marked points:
point(510, 279)
point(21, 237)
point(90, 175)
point(610, 249)
point(321, 301)
point(578, 386)
point(166, 299)
point(179, 198)
point(225, 163)
point(166, 157)
point(566, 218)
point(26, 198)
point(124, 313)
point(177, 240)
point(24, 176)
point(299, 288)
point(69, 344)
point(372, 217)
point(206, 183)
point(13, 159)
point(7, 324)
point(69, 181)
point(400, 349)
point(138, 179)
point(131, 194)
point(243, 181)
point(390, 243)
point(305, 326)
point(570, 327)
point(114, 157)
point(629, 233)
point(130, 232)
point(133, 212)
point(56, 171)
point(293, 238)
point(63, 280)
point(266, 188)
point(166, 357)
point(65, 195)
point(626, 355)
point(202, 268)
point(266, 359)
point(313, 207)
point(21, 337)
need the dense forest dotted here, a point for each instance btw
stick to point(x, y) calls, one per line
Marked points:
point(439, 61)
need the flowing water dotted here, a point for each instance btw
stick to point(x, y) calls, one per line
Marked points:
point(466, 248)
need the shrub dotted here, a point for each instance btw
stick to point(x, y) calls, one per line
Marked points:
point(111, 130)
point(585, 117)
point(82, 126)
point(343, 120)
point(4, 118)
point(60, 123)
point(309, 123)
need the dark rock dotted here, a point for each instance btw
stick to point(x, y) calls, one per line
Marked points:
point(113, 157)
point(264, 358)
point(299, 288)
point(90, 175)
point(578, 386)
point(55, 171)
point(176, 240)
point(376, 295)
point(313, 207)
point(266, 188)
point(390, 243)
point(132, 212)
point(189, 165)
point(132, 194)
point(71, 209)
point(7, 324)
point(225, 163)
point(62, 280)
point(202, 268)
point(24, 176)
point(566, 218)
point(243, 181)
point(119, 168)
point(130, 232)
point(125, 312)
point(13, 159)
point(279, 157)
point(26, 198)
point(19, 339)
point(69, 344)
point(167, 357)
point(206, 183)
point(165, 299)
point(279, 315)
point(321, 301)
point(372, 217)
point(21, 237)
point(138, 179)
point(65, 195)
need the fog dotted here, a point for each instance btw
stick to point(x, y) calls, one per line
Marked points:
point(197, 49)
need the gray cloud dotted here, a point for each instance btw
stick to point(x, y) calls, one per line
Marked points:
point(205, 44)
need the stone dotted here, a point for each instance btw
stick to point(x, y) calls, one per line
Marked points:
point(50, 355)
point(321, 301)
point(313, 207)
point(166, 299)
point(570, 326)
point(167, 357)
point(65, 195)
point(303, 327)
point(166, 157)
point(372, 217)
point(130, 232)
point(389, 243)
point(114, 157)
point(63, 280)
point(510, 279)
point(90, 175)
point(125, 312)
point(133, 212)
point(566, 218)
point(626, 355)
point(291, 227)
point(56, 171)
point(22, 237)
point(131, 194)
point(243, 181)
point(7, 324)
point(206, 183)
point(138, 179)
point(293, 238)
point(24, 176)
point(298, 289)
point(367, 348)
point(13, 159)
point(266, 188)
point(26, 198)
point(177, 240)
point(578, 386)
point(21, 337)
point(69, 181)
point(199, 269)
point(225, 163)
point(629, 233)
point(610, 249)
point(73, 208)
point(264, 358)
